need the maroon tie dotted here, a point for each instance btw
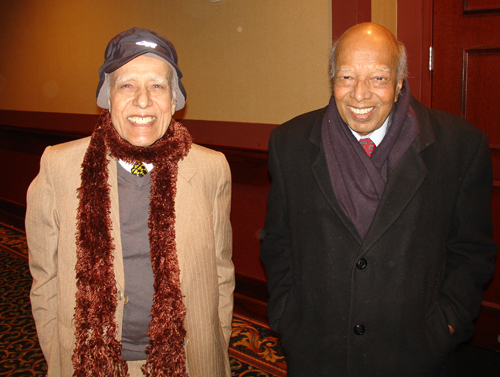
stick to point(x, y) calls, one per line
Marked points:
point(368, 145)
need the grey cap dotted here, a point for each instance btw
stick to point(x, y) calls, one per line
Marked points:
point(130, 44)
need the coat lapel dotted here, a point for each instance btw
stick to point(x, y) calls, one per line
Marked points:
point(401, 187)
point(404, 181)
point(183, 204)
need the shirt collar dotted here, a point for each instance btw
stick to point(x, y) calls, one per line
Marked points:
point(376, 136)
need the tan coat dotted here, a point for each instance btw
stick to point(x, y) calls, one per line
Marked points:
point(204, 248)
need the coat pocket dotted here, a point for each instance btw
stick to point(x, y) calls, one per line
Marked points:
point(438, 334)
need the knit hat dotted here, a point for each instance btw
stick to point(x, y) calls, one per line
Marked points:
point(130, 44)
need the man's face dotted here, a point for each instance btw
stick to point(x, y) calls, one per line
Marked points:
point(365, 87)
point(140, 100)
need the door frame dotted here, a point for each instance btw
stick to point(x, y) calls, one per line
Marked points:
point(346, 13)
point(415, 32)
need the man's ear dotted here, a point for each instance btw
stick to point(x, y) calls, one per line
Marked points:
point(174, 104)
point(399, 86)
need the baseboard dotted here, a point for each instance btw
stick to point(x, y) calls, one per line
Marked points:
point(250, 308)
point(250, 297)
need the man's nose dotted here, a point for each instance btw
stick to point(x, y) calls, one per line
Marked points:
point(361, 90)
point(142, 98)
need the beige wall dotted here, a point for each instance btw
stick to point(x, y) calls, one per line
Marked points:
point(248, 61)
point(384, 12)
point(256, 61)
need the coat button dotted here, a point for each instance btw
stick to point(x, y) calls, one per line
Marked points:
point(362, 263)
point(359, 329)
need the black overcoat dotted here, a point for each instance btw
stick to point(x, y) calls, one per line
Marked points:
point(378, 306)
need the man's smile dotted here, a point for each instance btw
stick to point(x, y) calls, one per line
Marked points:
point(362, 111)
point(141, 120)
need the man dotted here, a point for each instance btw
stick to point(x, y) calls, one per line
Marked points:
point(376, 264)
point(146, 286)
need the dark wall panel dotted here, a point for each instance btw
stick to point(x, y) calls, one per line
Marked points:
point(14, 186)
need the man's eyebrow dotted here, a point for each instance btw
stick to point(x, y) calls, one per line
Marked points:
point(159, 79)
point(131, 77)
point(121, 78)
point(385, 69)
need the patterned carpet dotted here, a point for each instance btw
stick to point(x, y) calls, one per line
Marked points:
point(254, 350)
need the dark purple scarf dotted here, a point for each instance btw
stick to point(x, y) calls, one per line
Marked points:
point(358, 180)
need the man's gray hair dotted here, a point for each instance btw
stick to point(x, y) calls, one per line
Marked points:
point(402, 61)
point(174, 83)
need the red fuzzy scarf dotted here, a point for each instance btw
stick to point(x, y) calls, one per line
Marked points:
point(97, 351)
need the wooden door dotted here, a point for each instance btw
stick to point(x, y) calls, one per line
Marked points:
point(466, 81)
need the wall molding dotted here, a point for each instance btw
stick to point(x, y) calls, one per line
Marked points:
point(207, 132)
point(249, 166)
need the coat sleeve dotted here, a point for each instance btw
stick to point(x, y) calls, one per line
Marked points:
point(275, 248)
point(42, 233)
point(470, 250)
point(224, 249)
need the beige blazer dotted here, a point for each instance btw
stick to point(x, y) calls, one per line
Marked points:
point(204, 247)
